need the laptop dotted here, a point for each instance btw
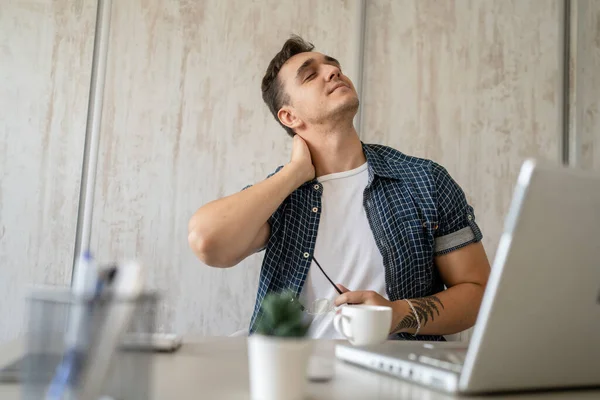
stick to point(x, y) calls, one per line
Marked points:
point(539, 322)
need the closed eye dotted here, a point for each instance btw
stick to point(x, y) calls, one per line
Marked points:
point(308, 78)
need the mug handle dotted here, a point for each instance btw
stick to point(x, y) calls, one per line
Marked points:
point(337, 324)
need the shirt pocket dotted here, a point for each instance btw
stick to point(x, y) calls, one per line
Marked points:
point(419, 241)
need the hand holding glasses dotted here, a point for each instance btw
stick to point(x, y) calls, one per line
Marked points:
point(322, 306)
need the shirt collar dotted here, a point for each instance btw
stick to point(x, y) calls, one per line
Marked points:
point(378, 166)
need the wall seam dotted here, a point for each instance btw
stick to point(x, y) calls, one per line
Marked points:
point(92, 131)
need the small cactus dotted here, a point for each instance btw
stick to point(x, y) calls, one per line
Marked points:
point(282, 316)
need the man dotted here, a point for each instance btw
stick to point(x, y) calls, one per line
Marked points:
point(391, 229)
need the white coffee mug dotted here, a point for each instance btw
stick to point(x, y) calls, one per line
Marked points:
point(362, 324)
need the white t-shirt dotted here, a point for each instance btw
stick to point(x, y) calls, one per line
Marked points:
point(345, 248)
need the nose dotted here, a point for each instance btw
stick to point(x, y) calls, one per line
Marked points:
point(333, 73)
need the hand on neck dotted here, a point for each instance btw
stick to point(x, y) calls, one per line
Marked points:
point(334, 147)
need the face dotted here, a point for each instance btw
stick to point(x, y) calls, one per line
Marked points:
point(318, 91)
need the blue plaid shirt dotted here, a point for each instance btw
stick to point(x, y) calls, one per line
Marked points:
point(415, 209)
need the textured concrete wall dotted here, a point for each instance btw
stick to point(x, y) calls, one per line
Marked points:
point(584, 93)
point(45, 68)
point(473, 85)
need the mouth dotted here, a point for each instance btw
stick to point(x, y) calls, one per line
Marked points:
point(337, 86)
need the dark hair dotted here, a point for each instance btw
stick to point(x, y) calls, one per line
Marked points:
point(272, 88)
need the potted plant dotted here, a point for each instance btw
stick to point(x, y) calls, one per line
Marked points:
point(278, 351)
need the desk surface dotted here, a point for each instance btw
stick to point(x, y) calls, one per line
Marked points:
point(218, 368)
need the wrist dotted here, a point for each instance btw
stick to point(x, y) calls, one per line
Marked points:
point(400, 309)
point(298, 173)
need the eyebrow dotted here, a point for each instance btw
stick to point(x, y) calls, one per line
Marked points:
point(306, 64)
point(331, 60)
point(304, 67)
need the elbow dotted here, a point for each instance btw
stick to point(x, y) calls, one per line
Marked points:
point(206, 249)
point(470, 323)
point(477, 305)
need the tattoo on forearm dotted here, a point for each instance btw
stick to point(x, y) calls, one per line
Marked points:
point(426, 308)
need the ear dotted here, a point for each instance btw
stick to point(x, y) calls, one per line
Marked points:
point(288, 118)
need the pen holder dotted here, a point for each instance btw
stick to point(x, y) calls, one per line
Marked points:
point(66, 340)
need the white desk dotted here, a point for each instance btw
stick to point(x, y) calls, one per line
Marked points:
point(217, 368)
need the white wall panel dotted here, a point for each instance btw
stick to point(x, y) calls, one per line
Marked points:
point(45, 67)
point(585, 84)
point(474, 85)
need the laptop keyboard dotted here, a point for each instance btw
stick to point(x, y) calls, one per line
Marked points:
point(452, 360)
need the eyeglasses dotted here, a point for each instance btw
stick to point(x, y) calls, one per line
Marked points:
point(337, 289)
point(321, 306)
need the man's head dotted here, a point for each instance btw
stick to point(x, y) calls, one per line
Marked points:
point(303, 88)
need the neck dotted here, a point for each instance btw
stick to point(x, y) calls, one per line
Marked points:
point(335, 149)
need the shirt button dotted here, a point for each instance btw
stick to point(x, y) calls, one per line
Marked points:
point(469, 217)
point(306, 255)
point(424, 224)
point(315, 209)
point(317, 187)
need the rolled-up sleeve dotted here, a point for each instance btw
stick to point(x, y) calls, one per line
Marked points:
point(456, 218)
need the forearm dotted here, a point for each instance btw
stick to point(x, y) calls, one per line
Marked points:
point(445, 313)
point(224, 230)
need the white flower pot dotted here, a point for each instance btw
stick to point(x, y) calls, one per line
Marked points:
point(278, 367)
